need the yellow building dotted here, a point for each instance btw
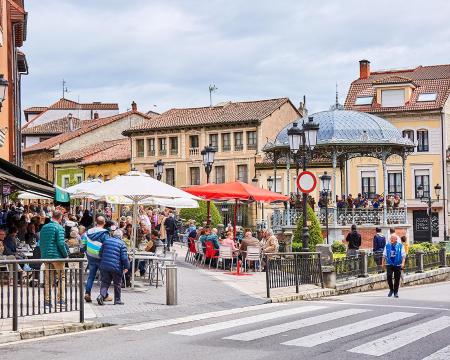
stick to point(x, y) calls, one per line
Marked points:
point(416, 102)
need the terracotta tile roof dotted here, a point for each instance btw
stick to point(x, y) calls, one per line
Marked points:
point(35, 109)
point(426, 79)
point(85, 128)
point(54, 127)
point(224, 113)
point(121, 151)
point(92, 150)
point(66, 104)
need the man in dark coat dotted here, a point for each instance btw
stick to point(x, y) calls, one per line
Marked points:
point(171, 229)
point(353, 240)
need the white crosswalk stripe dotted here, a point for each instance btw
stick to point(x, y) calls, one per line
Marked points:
point(281, 328)
point(246, 321)
point(443, 354)
point(346, 330)
point(401, 338)
point(198, 317)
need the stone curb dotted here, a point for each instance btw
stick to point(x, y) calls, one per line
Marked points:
point(310, 295)
point(33, 333)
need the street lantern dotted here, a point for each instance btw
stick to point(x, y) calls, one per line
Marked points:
point(326, 181)
point(159, 168)
point(208, 154)
point(270, 183)
point(3, 86)
point(255, 181)
point(420, 191)
point(295, 135)
point(437, 191)
point(311, 129)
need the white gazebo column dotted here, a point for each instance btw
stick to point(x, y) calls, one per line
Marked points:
point(334, 163)
point(385, 189)
point(288, 183)
point(405, 202)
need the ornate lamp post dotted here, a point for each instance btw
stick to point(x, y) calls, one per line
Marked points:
point(326, 180)
point(159, 169)
point(427, 200)
point(208, 154)
point(302, 142)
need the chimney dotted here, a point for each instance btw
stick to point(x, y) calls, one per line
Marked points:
point(364, 69)
point(71, 125)
point(95, 115)
point(133, 106)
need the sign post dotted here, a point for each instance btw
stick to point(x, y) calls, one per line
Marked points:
point(306, 182)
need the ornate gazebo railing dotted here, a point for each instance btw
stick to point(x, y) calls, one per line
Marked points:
point(345, 217)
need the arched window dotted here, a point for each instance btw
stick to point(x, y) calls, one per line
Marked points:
point(422, 140)
point(408, 134)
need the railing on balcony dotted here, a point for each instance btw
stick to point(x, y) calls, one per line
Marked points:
point(345, 217)
point(194, 151)
point(173, 151)
point(251, 146)
point(162, 152)
point(151, 153)
point(238, 147)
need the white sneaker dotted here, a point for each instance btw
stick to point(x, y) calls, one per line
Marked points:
point(137, 274)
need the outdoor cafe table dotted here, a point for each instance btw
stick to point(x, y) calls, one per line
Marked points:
point(145, 255)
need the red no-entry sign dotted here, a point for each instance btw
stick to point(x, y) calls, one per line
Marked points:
point(306, 182)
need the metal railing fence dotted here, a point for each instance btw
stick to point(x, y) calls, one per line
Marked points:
point(40, 286)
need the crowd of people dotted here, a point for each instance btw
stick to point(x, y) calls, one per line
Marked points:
point(363, 202)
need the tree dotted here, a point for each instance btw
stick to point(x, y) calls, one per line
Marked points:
point(315, 232)
point(200, 214)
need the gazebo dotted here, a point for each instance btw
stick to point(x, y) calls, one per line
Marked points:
point(344, 135)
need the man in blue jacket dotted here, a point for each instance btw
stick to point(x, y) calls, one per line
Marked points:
point(114, 262)
point(394, 256)
point(93, 245)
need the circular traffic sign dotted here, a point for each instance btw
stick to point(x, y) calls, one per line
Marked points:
point(306, 182)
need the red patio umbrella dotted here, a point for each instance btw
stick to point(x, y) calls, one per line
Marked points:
point(237, 191)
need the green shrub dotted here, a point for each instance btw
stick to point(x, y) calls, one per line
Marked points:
point(338, 247)
point(200, 214)
point(315, 232)
point(426, 247)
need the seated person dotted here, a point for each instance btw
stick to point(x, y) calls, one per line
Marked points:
point(212, 236)
point(154, 241)
point(229, 241)
point(10, 242)
point(247, 241)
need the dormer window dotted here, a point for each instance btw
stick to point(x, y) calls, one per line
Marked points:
point(427, 97)
point(364, 100)
point(393, 98)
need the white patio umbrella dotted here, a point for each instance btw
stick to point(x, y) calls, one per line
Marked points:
point(137, 187)
point(24, 195)
point(77, 191)
point(177, 203)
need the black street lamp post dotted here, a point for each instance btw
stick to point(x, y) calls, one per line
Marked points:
point(159, 169)
point(208, 154)
point(326, 180)
point(302, 142)
point(427, 200)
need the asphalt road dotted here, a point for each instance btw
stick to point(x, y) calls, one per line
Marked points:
point(361, 326)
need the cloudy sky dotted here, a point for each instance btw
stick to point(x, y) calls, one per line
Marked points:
point(165, 53)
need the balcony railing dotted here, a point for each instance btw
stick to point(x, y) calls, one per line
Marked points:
point(251, 146)
point(162, 152)
point(345, 217)
point(226, 148)
point(151, 153)
point(238, 147)
point(194, 151)
point(173, 151)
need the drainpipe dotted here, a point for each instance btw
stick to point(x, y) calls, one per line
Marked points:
point(444, 173)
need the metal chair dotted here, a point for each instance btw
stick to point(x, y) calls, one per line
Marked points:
point(200, 253)
point(225, 253)
point(253, 254)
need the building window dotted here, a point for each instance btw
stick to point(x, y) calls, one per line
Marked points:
point(422, 177)
point(368, 184)
point(173, 146)
point(392, 98)
point(238, 141)
point(195, 175)
point(193, 141)
point(427, 97)
point(251, 140)
point(214, 141)
point(409, 134)
point(79, 178)
point(151, 151)
point(422, 140)
point(140, 147)
point(395, 184)
point(162, 146)
point(220, 174)
point(170, 177)
point(242, 173)
point(37, 169)
point(150, 172)
point(226, 143)
point(65, 181)
point(364, 100)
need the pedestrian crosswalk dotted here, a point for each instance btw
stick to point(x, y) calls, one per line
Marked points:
point(388, 331)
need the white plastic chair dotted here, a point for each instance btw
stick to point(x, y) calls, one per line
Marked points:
point(225, 253)
point(201, 254)
point(253, 254)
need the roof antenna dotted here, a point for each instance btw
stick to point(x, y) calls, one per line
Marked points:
point(337, 96)
point(64, 88)
point(212, 88)
point(336, 105)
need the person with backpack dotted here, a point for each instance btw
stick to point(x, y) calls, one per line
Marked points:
point(379, 242)
point(92, 245)
point(353, 240)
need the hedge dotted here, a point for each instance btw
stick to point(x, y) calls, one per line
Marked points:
point(200, 214)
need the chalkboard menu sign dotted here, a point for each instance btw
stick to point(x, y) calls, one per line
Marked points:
point(421, 226)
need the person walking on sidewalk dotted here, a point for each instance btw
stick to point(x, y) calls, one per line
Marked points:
point(92, 246)
point(353, 240)
point(113, 264)
point(53, 247)
point(379, 242)
point(394, 257)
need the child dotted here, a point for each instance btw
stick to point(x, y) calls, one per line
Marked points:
point(405, 244)
point(114, 262)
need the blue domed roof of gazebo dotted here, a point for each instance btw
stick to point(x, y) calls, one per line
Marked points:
point(349, 127)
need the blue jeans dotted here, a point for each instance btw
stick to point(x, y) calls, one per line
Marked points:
point(107, 278)
point(93, 268)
